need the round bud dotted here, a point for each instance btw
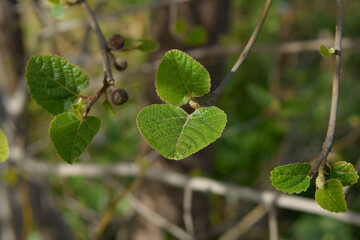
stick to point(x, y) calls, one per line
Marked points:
point(119, 96)
point(120, 64)
point(116, 42)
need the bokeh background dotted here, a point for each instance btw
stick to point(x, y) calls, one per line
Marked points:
point(277, 106)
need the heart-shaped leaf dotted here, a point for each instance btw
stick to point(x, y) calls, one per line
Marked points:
point(332, 197)
point(179, 78)
point(71, 136)
point(175, 134)
point(54, 83)
point(345, 172)
point(4, 147)
point(292, 178)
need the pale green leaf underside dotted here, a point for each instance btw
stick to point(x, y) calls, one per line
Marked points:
point(332, 197)
point(176, 134)
point(179, 77)
point(54, 83)
point(292, 178)
point(71, 136)
point(4, 147)
point(345, 172)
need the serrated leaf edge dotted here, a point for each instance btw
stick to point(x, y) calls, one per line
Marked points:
point(81, 120)
point(176, 50)
point(137, 125)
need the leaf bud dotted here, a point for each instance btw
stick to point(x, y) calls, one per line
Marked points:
point(120, 64)
point(119, 96)
point(116, 42)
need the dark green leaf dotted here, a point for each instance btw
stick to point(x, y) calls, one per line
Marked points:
point(332, 197)
point(345, 172)
point(292, 178)
point(175, 134)
point(180, 26)
point(54, 83)
point(71, 136)
point(179, 77)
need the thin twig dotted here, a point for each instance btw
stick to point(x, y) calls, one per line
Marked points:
point(148, 213)
point(273, 223)
point(40, 167)
point(189, 225)
point(335, 90)
point(101, 39)
point(245, 223)
point(214, 94)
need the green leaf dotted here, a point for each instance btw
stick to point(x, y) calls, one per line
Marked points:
point(107, 106)
point(4, 147)
point(146, 45)
point(324, 51)
point(175, 134)
point(292, 178)
point(332, 197)
point(180, 26)
point(57, 11)
point(54, 83)
point(197, 36)
point(77, 108)
point(345, 172)
point(71, 136)
point(179, 78)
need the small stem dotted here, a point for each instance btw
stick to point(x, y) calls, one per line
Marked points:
point(214, 95)
point(95, 97)
point(101, 39)
point(335, 90)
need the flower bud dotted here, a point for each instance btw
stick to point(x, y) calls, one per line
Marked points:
point(119, 96)
point(116, 42)
point(120, 64)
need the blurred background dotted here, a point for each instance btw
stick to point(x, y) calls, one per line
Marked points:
point(277, 106)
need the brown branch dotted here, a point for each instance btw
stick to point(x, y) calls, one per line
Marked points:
point(335, 91)
point(214, 94)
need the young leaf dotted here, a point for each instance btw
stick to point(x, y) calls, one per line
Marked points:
point(77, 108)
point(146, 45)
point(332, 197)
point(57, 11)
point(179, 77)
point(4, 147)
point(292, 178)
point(175, 134)
point(345, 172)
point(71, 136)
point(54, 83)
point(324, 51)
point(107, 106)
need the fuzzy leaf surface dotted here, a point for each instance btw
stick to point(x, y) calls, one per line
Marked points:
point(175, 134)
point(54, 83)
point(332, 197)
point(179, 77)
point(292, 178)
point(72, 136)
point(345, 172)
point(4, 147)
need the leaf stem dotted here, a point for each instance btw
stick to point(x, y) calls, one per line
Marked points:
point(327, 145)
point(214, 94)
